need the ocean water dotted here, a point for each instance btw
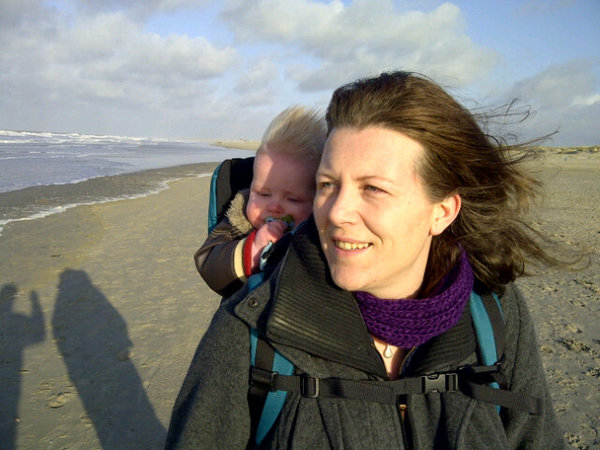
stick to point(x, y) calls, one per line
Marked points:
point(43, 173)
point(38, 158)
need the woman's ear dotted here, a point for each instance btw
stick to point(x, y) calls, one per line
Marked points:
point(444, 214)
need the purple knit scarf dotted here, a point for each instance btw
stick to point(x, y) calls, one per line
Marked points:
point(407, 323)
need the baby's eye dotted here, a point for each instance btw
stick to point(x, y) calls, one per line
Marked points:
point(262, 194)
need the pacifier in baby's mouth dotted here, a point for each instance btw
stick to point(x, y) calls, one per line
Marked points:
point(288, 219)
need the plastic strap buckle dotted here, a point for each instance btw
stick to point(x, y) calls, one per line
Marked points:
point(440, 382)
point(264, 379)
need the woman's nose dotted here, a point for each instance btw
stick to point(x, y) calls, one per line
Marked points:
point(342, 207)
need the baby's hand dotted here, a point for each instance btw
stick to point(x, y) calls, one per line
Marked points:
point(271, 231)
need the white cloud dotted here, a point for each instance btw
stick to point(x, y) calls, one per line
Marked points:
point(363, 38)
point(556, 86)
point(138, 9)
point(15, 12)
point(563, 97)
point(258, 75)
point(80, 67)
point(111, 47)
point(93, 66)
point(586, 100)
point(255, 20)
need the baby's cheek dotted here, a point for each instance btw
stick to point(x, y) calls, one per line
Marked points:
point(253, 214)
point(303, 213)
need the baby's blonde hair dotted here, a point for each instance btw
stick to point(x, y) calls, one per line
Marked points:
point(296, 131)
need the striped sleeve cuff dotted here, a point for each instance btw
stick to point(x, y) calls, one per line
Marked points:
point(247, 253)
point(238, 261)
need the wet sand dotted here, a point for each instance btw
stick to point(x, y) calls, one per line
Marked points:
point(101, 310)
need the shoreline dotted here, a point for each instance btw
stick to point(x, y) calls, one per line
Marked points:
point(41, 195)
point(36, 202)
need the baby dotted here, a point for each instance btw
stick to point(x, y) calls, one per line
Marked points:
point(279, 198)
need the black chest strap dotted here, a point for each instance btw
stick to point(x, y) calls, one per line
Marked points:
point(469, 380)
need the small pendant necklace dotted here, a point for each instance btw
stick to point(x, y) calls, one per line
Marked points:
point(388, 353)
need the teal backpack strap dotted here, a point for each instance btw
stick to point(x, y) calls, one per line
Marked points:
point(265, 406)
point(489, 323)
point(257, 396)
point(230, 176)
point(212, 200)
point(274, 400)
point(489, 329)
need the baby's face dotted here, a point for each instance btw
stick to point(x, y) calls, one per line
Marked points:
point(281, 185)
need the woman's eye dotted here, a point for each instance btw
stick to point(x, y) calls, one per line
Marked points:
point(374, 189)
point(324, 185)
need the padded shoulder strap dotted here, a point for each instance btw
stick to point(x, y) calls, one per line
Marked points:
point(489, 327)
point(261, 356)
point(265, 405)
point(212, 200)
point(231, 176)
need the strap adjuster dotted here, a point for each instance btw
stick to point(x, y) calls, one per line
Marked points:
point(309, 386)
point(264, 379)
point(440, 382)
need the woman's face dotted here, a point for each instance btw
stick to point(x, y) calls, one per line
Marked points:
point(374, 219)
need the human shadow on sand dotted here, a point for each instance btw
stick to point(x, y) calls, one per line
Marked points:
point(17, 331)
point(93, 340)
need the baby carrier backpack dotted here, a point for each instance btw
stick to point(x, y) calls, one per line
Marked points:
point(272, 375)
point(231, 176)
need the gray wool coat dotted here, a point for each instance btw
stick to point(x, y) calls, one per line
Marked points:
point(319, 328)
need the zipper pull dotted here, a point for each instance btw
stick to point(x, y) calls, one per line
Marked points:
point(402, 407)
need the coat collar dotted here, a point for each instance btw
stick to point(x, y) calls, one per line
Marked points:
point(236, 213)
point(308, 312)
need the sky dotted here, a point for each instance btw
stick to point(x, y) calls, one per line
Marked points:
point(202, 69)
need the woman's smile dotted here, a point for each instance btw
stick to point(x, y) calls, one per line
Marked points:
point(350, 245)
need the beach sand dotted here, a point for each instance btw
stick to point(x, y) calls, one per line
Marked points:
point(101, 310)
point(566, 304)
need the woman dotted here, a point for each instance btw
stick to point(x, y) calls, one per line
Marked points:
point(415, 209)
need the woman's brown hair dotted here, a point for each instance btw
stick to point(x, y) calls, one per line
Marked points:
point(459, 158)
